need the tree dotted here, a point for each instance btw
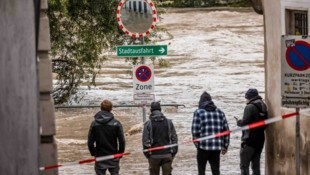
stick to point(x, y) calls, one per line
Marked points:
point(80, 31)
point(258, 6)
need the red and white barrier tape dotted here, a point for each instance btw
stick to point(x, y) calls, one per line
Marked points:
point(224, 133)
point(95, 159)
point(220, 134)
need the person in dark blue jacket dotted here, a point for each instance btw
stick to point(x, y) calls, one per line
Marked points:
point(252, 140)
point(106, 137)
point(159, 131)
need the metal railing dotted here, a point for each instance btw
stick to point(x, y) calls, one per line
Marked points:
point(114, 106)
point(118, 106)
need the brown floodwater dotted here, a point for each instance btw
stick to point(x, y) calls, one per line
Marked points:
point(217, 51)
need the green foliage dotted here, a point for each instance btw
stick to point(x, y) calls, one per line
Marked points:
point(204, 3)
point(80, 31)
point(241, 3)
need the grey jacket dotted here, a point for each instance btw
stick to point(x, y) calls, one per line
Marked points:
point(159, 131)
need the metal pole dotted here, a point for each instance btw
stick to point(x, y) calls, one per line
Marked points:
point(144, 113)
point(142, 58)
point(297, 149)
point(143, 62)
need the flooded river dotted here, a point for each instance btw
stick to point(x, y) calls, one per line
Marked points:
point(217, 51)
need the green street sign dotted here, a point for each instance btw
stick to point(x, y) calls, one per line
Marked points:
point(141, 50)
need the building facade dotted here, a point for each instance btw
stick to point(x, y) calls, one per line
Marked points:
point(138, 6)
point(284, 17)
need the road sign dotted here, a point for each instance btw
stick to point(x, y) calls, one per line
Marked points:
point(298, 55)
point(143, 73)
point(136, 18)
point(143, 99)
point(295, 72)
point(141, 50)
point(143, 79)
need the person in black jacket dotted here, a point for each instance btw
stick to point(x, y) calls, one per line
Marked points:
point(159, 131)
point(252, 140)
point(106, 137)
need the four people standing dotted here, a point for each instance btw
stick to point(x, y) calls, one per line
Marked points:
point(209, 120)
point(106, 137)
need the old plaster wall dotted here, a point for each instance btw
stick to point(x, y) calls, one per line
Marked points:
point(280, 137)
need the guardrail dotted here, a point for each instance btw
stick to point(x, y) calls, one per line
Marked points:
point(114, 106)
point(118, 106)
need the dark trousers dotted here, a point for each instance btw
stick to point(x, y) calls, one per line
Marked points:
point(164, 163)
point(111, 165)
point(249, 155)
point(213, 157)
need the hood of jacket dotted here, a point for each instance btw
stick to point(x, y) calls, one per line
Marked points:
point(255, 99)
point(208, 105)
point(157, 116)
point(103, 117)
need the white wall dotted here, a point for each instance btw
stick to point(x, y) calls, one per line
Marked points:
point(303, 5)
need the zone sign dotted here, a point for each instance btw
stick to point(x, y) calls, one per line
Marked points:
point(143, 79)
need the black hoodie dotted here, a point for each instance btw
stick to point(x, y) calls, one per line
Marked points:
point(252, 113)
point(107, 133)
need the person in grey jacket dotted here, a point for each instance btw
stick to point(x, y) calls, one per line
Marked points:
point(106, 137)
point(159, 131)
point(252, 140)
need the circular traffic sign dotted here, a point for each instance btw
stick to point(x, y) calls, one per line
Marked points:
point(143, 73)
point(137, 18)
point(298, 56)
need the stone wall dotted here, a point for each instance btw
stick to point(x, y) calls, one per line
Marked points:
point(48, 149)
point(26, 107)
point(19, 108)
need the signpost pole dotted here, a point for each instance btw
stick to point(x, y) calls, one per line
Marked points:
point(297, 149)
point(133, 51)
point(144, 105)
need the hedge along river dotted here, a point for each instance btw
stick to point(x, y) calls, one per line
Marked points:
point(217, 51)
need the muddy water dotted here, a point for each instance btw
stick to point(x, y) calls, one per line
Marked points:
point(217, 51)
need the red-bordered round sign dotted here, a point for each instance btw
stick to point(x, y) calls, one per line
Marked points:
point(143, 73)
point(136, 35)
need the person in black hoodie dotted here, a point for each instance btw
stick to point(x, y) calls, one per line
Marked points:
point(159, 131)
point(106, 137)
point(252, 140)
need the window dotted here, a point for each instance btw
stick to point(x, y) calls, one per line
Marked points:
point(134, 6)
point(140, 7)
point(296, 22)
point(145, 7)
